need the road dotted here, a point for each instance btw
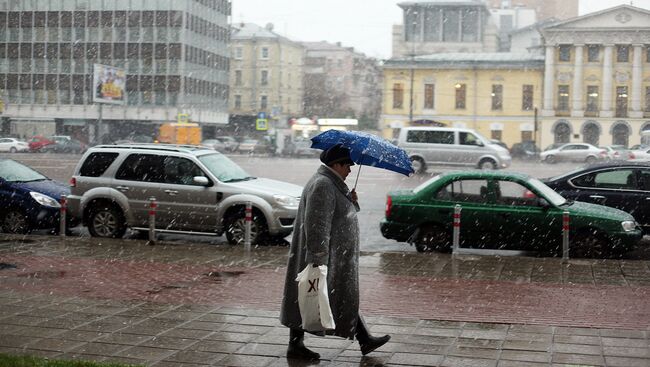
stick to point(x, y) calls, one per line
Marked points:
point(372, 186)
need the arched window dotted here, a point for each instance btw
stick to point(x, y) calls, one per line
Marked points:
point(562, 133)
point(645, 134)
point(591, 133)
point(620, 135)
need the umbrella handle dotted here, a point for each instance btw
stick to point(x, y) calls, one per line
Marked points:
point(358, 172)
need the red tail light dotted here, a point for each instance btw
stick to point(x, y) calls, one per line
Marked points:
point(632, 156)
point(603, 153)
point(73, 182)
point(389, 205)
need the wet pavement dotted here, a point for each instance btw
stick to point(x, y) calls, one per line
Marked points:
point(214, 305)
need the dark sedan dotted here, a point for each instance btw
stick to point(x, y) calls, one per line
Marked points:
point(64, 146)
point(28, 199)
point(621, 185)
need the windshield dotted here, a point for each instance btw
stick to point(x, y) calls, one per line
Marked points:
point(553, 197)
point(13, 171)
point(223, 168)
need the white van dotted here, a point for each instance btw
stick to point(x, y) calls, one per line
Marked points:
point(451, 146)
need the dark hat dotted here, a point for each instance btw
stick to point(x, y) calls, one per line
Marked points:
point(336, 154)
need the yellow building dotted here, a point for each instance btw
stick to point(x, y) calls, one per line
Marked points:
point(493, 93)
point(266, 72)
point(597, 78)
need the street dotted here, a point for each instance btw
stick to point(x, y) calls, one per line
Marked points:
point(372, 187)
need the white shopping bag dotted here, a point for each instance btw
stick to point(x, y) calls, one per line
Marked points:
point(313, 299)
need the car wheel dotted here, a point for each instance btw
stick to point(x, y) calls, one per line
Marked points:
point(550, 159)
point(589, 244)
point(433, 238)
point(13, 150)
point(106, 221)
point(590, 160)
point(418, 165)
point(236, 228)
point(15, 221)
point(487, 164)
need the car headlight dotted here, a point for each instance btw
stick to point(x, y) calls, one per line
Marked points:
point(628, 225)
point(44, 200)
point(286, 201)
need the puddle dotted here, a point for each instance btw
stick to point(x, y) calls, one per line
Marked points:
point(224, 274)
point(7, 266)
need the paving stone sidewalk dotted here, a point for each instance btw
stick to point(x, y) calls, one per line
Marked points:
point(200, 305)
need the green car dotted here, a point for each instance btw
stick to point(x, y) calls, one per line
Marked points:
point(502, 210)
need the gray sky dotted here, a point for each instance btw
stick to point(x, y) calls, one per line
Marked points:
point(365, 25)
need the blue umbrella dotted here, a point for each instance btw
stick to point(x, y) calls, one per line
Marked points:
point(366, 149)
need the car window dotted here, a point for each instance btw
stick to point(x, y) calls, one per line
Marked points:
point(644, 178)
point(142, 167)
point(180, 171)
point(469, 191)
point(514, 194)
point(468, 139)
point(96, 164)
point(12, 171)
point(223, 168)
point(614, 179)
point(430, 137)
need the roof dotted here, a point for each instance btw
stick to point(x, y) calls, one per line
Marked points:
point(460, 59)
point(245, 31)
point(153, 147)
point(441, 3)
point(479, 174)
point(597, 13)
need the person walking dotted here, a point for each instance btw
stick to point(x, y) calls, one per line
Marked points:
point(326, 232)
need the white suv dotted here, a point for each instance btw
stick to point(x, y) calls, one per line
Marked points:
point(197, 190)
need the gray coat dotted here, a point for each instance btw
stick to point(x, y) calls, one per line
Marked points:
point(326, 231)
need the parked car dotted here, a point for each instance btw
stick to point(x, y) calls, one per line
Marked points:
point(29, 200)
point(574, 152)
point(255, 146)
point(215, 144)
point(499, 143)
point(198, 190)
point(502, 210)
point(527, 149)
point(37, 142)
point(64, 146)
point(301, 147)
point(617, 152)
point(641, 154)
point(13, 145)
point(230, 143)
point(639, 147)
point(451, 146)
point(621, 185)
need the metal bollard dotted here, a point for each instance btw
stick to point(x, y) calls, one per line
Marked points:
point(565, 235)
point(63, 213)
point(456, 232)
point(152, 221)
point(248, 223)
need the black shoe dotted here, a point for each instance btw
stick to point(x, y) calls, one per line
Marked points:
point(373, 343)
point(299, 351)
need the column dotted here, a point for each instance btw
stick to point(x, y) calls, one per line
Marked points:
point(606, 109)
point(577, 110)
point(549, 81)
point(637, 85)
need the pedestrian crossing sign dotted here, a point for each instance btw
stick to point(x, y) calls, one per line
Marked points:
point(262, 124)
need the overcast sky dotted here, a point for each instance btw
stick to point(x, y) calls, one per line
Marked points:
point(365, 25)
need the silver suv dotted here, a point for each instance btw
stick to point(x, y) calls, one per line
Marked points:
point(197, 190)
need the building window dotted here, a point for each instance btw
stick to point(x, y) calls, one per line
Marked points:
point(622, 53)
point(565, 53)
point(265, 53)
point(429, 96)
point(398, 95)
point(592, 98)
point(238, 53)
point(647, 99)
point(526, 135)
point(647, 54)
point(460, 96)
point(237, 102)
point(621, 135)
point(237, 77)
point(562, 97)
point(496, 134)
point(621, 101)
point(527, 97)
point(593, 53)
point(264, 101)
point(265, 77)
point(497, 97)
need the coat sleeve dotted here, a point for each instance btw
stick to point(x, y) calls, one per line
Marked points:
point(319, 212)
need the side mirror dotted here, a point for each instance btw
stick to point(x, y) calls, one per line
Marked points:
point(479, 143)
point(201, 180)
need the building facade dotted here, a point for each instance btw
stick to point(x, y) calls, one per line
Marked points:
point(597, 78)
point(266, 76)
point(340, 82)
point(545, 9)
point(443, 27)
point(174, 52)
point(492, 93)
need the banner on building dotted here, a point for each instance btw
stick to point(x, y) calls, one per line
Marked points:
point(109, 84)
